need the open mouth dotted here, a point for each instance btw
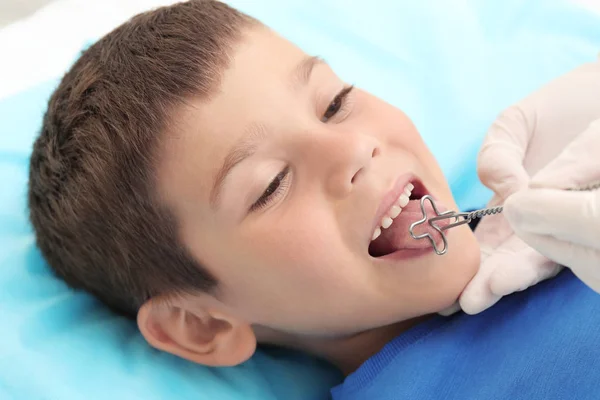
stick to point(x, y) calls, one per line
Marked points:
point(392, 233)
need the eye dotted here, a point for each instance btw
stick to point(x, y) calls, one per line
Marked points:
point(275, 189)
point(337, 104)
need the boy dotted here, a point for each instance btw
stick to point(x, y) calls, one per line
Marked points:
point(204, 175)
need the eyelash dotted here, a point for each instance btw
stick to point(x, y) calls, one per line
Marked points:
point(341, 100)
point(280, 183)
point(275, 188)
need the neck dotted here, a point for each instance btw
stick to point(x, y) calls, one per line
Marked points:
point(349, 353)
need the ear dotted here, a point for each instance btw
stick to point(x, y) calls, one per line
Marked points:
point(195, 333)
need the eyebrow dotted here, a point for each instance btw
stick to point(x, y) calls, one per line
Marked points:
point(244, 148)
point(256, 132)
point(302, 72)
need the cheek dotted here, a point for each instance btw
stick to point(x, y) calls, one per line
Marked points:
point(405, 134)
point(393, 126)
point(465, 256)
point(300, 247)
point(399, 132)
point(292, 271)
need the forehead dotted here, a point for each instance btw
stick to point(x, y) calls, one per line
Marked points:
point(252, 89)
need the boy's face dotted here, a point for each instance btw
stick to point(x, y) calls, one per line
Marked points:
point(286, 230)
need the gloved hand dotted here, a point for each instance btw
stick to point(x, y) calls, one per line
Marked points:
point(564, 225)
point(524, 139)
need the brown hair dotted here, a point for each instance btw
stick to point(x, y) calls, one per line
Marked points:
point(92, 195)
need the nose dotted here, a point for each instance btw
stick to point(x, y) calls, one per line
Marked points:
point(346, 159)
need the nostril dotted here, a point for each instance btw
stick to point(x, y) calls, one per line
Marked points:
point(355, 176)
point(375, 152)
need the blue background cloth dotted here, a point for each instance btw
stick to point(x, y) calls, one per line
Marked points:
point(451, 66)
point(541, 344)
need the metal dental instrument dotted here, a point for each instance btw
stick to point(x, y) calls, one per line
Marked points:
point(460, 218)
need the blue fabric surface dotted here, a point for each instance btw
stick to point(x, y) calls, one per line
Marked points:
point(541, 344)
point(452, 66)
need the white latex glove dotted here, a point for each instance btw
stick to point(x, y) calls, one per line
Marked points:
point(564, 225)
point(524, 139)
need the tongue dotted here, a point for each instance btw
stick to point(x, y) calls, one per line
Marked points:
point(398, 237)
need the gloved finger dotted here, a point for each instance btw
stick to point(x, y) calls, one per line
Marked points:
point(491, 233)
point(500, 160)
point(479, 293)
point(577, 165)
point(519, 272)
point(583, 261)
point(566, 215)
point(493, 230)
point(450, 310)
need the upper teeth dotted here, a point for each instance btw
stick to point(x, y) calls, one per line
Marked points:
point(394, 211)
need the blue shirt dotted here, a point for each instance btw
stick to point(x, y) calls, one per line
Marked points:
point(543, 343)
